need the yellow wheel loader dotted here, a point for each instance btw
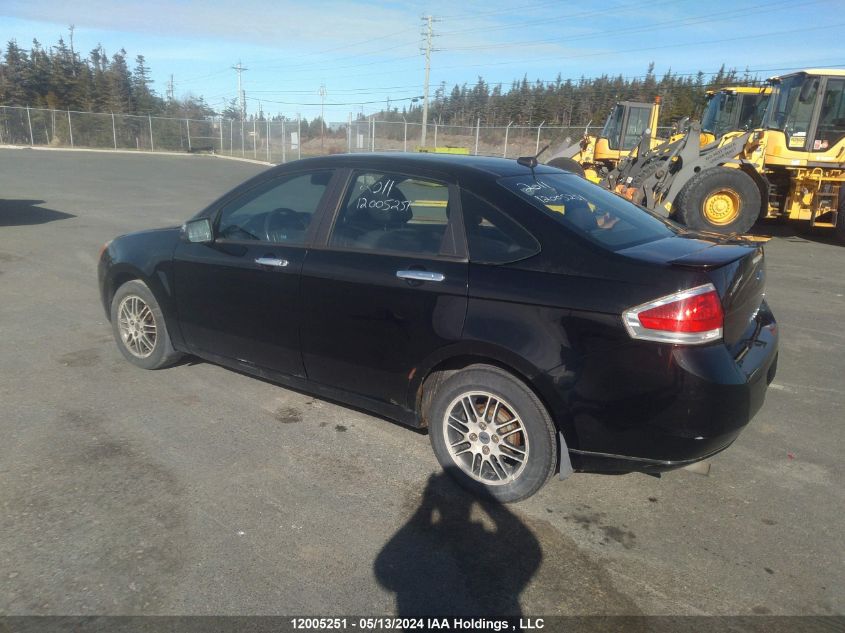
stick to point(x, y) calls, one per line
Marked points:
point(727, 109)
point(593, 157)
point(792, 167)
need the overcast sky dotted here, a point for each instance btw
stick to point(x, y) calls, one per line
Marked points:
point(365, 52)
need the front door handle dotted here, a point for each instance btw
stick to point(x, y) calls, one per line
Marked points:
point(420, 275)
point(272, 261)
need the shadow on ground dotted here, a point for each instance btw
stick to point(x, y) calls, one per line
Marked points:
point(26, 212)
point(446, 560)
point(460, 556)
point(795, 231)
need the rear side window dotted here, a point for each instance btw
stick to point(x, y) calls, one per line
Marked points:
point(493, 237)
point(594, 213)
point(393, 212)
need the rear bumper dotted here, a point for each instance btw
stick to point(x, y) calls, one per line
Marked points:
point(660, 408)
point(607, 463)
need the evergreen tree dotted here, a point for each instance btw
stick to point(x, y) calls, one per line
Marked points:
point(14, 76)
point(144, 99)
point(121, 98)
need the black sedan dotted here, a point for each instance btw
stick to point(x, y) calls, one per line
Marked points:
point(534, 323)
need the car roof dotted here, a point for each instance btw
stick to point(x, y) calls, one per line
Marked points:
point(447, 164)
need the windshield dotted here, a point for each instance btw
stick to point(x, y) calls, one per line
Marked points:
point(791, 108)
point(588, 210)
point(712, 121)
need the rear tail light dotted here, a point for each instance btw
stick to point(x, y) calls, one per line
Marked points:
point(688, 317)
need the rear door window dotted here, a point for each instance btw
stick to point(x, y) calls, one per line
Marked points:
point(393, 213)
point(590, 211)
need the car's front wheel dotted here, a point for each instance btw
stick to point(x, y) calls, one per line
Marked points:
point(139, 328)
point(492, 433)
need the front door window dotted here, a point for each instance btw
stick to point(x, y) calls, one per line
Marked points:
point(279, 211)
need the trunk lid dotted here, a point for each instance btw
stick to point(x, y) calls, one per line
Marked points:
point(740, 282)
point(735, 267)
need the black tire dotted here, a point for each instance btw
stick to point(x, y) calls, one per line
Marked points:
point(567, 164)
point(134, 348)
point(732, 184)
point(536, 434)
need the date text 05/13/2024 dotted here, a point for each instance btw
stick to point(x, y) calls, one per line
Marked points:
point(423, 624)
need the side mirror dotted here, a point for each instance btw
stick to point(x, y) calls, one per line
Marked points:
point(198, 231)
point(808, 91)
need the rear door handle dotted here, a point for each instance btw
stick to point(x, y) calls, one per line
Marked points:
point(272, 261)
point(420, 275)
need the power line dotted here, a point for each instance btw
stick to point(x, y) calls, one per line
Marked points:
point(201, 77)
point(650, 48)
point(581, 89)
point(416, 88)
point(547, 19)
point(333, 103)
point(312, 68)
point(337, 48)
point(473, 15)
point(687, 21)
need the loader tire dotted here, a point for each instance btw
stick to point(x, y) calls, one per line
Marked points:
point(840, 216)
point(719, 200)
point(567, 164)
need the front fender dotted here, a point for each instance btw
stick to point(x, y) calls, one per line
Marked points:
point(146, 256)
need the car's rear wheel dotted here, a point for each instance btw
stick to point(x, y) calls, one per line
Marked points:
point(139, 328)
point(492, 434)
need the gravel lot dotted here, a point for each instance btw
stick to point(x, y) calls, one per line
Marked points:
point(198, 490)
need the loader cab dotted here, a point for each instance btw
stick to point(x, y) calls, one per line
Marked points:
point(733, 108)
point(807, 115)
point(624, 128)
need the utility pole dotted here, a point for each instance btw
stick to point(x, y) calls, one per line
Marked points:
point(428, 34)
point(322, 113)
point(170, 92)
point(241, 96)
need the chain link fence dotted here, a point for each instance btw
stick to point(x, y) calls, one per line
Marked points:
point(277, 141)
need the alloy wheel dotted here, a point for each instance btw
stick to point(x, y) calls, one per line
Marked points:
point(486, 437)
point(137, 326)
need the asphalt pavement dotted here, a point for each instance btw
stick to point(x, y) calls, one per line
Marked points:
point(199, 490)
